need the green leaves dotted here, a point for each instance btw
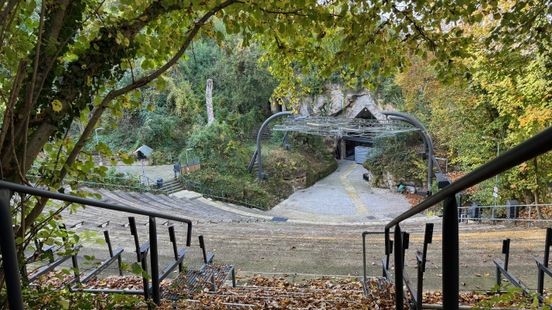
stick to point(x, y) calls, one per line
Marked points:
point(136, 269)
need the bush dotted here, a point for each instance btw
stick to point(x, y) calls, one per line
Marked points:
point(243, 189)
point(399, 156)
point(217, 147)
point(45, 297)
point(163, 157)
point(226, 178)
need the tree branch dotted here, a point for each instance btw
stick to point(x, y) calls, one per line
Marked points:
point(98, 111)
point(418, 28)
point(6, 17)
point(29, 98)
point(8, 124)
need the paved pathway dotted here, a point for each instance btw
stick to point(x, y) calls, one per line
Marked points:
point(343, 196)
point(153, 172)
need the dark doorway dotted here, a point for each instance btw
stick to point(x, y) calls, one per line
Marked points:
point(351, 143)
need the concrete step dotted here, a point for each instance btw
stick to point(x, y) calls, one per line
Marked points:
point(320, 293)
point(172, 186)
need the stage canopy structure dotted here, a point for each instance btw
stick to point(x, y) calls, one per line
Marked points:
point(365, 129)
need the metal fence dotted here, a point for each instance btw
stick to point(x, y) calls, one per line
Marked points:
point(509, 213)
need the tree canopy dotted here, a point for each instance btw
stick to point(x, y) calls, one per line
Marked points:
point(63, 59)
point(63, 63)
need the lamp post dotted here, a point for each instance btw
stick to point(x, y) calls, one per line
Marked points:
point(98, 141)
point(495, 187)
point(187, 150)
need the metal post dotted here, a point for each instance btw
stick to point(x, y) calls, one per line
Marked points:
point(110, 248)
point(189, 235)
point(108, 241)
point(450, 253)
point(405, 242)
point(364, 259)
point(172, 237)
point(154, 261)
point(547, 243)
point(9, 253)
point(428, 236)
point(388, 247)
point(76, 271)
point(260, 174)
point(399, 266)
point(203, 250)
point(506, 252)
point(420, 286)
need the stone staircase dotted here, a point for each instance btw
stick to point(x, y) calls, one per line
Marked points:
point(194, 209)
point(171, 186)
point(278, 293)
point(210, 285)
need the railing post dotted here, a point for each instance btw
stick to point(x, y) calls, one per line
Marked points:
point(172, 237)
point(547, 243)
point(399, 267)
point(9, 253)
point(154, 261)
point(203, 250)
point(450, 253)
point(110, 249)
point(364, 259)
point(420, 286)
point(388, 248)
point(428, 236)
point(189, 234)
point(506, 252)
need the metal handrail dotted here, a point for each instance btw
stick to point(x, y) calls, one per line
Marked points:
point(364, 267)
point(91, 202)
point(532, 147)
point(7, 241)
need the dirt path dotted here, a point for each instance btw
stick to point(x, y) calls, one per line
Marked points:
point(337, 250)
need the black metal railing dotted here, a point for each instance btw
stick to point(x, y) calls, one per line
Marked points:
point(364, 267)
point(533, 147)
point(8, 247)
point(502, 269)
point(542, 269)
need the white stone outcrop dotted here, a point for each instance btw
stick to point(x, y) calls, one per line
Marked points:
point(341, 102)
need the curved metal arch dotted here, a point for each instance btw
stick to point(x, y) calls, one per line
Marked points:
point(405, 117)
point(257, 155)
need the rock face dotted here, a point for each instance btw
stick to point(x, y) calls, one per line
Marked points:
point(338, 101)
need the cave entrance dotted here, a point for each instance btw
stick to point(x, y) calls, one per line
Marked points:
point(356, 147)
